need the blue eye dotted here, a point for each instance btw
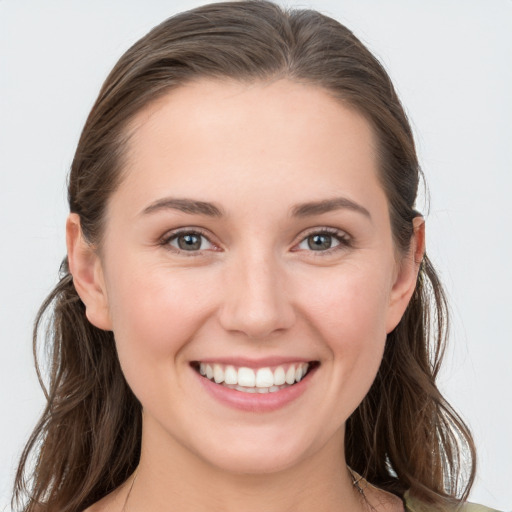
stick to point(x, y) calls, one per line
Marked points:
point(323, 241)
point(189, 241)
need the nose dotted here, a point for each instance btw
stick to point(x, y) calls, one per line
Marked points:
point(256, 302)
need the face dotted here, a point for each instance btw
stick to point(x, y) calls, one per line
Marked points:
point(248, 272)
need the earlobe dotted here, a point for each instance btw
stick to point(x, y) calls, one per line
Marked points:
point(85, 267)
point(407, 275)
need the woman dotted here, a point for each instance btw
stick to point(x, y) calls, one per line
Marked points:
point(244, 314)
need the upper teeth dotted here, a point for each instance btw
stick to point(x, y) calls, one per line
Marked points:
point(248, 377)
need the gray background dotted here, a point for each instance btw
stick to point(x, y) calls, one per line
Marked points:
point(451, 62)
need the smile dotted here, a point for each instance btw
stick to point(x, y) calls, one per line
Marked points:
point(254, 380)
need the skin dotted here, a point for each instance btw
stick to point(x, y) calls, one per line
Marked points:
point(255, 289)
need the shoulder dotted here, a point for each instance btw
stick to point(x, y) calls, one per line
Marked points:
point(113, 501)
point(414, 505)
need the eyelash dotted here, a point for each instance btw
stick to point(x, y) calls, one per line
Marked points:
point(344, 241)
point(169, 237)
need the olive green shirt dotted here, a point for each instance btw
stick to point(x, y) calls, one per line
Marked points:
point(413, 505)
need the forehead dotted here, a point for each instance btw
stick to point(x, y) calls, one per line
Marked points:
point(209, 137)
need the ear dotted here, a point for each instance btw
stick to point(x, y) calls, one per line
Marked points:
point(407, 275)
point(85, 267)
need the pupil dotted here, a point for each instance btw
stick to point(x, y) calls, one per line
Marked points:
point(319, 242)
point(189, 242)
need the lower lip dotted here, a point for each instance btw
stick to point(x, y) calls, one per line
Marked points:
point(256, 402)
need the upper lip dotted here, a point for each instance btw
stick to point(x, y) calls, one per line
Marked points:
point(253, 363)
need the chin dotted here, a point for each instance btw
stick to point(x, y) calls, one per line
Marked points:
point(255, 462)
point(258, 454)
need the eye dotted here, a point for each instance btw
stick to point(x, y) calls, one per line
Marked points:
point(319, 242)
point(324, 241)
point(190, 241)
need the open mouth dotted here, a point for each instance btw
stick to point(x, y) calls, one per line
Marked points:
point(255, 380)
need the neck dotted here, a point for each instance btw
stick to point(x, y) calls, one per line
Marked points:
point(172, 478)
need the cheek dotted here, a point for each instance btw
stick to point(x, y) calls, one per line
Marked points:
point(348, 310)
point(352, 319)
point(349, 306)
point(155, 312)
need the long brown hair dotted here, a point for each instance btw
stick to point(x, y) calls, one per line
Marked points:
point(404, 435)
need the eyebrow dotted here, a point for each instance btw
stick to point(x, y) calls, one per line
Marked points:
point(328, 205)
point(184, 205)
point(195, 207)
